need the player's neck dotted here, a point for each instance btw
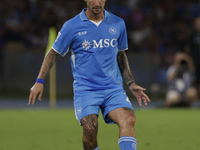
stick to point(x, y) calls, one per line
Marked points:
point(94, 17)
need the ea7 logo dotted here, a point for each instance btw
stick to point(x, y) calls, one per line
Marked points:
point(82, 33)
point(105, 43)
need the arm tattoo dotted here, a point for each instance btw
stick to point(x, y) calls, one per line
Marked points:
point(124, 68)
point(90, 128)
point(47, 64)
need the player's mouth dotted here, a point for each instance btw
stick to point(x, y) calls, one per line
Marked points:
point(97, 8)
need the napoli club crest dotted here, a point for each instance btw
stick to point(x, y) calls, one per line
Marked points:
point(112, 30)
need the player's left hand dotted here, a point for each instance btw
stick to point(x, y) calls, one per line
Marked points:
point(137, 91)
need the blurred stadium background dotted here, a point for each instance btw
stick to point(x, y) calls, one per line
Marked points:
point(156, 30)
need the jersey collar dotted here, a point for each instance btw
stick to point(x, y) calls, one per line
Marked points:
point(84, 17)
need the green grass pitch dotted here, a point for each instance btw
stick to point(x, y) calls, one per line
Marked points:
point(44, 129)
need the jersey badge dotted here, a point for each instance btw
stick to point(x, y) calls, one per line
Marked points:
point(112, 30)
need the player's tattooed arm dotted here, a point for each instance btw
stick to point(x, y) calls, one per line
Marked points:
point(47, 64)
point(124, 68)
point(37, 88)
point(90, 128)
point(136, 90)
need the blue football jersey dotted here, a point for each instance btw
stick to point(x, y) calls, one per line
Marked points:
point(93, 48)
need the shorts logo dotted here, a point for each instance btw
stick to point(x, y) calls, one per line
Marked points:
point(86, 45)
point(112, 30)
point(79, 110)
point(127, 99)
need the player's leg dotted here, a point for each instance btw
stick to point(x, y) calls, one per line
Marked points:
point(87, 105)
point(118, 109)
point(125, 118)
point(90, 128)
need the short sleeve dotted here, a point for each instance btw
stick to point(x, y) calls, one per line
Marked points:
point(63, 40)
point(122, 40)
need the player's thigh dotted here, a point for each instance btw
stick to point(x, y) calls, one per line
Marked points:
point(122, 116)
point(87, 103)
point(115, 98)
point(90, 123)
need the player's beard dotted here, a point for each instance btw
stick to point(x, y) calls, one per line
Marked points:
point(96, 10)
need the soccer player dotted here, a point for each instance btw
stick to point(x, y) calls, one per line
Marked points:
point(96, 40)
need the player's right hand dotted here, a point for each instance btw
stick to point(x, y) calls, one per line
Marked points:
point(34, 91)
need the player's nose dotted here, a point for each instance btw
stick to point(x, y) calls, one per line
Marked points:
point(97, 2)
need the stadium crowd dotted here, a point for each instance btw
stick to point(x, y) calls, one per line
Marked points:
point(160, 27)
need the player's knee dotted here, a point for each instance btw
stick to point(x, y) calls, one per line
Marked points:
point(90, 128)
point(131, 120)
point(128, 122)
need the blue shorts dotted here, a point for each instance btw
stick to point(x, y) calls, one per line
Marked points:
point(90, 102)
